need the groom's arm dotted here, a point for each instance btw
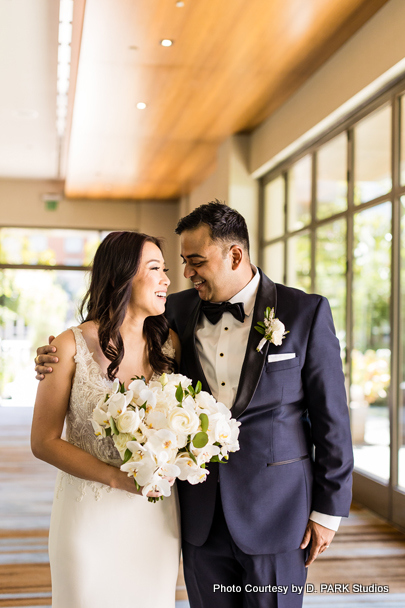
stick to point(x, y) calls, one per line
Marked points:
point(327, 407)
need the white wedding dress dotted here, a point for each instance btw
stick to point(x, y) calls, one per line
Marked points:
point(108, 547)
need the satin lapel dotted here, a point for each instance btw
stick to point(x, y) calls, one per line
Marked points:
point(189, 353)
point(254, 362)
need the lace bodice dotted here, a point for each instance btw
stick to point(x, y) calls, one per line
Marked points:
point(89, 386)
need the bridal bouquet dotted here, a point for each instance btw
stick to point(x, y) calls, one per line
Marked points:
point(165, 428)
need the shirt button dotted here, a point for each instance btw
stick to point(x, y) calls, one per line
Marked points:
point(221, 354)
point(222, 383)
point(226, 328)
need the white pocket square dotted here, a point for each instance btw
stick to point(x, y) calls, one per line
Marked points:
point(284, 357)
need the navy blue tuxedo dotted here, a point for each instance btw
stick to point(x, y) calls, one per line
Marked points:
point(295, 445)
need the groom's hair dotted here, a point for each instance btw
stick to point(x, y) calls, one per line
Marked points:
point(225, 224)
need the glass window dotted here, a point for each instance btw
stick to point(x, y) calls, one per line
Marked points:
point(299, 262)
point(274, 209)
point(371, 355)
point(33, 305)
point(299, 194)
point(273, 262)
point(331, 187)
point(331, 273)
point(401, 418)
point(372, 156)
point(402, 136)
point(48, 247)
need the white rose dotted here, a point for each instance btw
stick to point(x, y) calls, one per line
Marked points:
point(128, 422)
point(277, 326)
point(120, 442)
point(182, 421)
point(277, 338)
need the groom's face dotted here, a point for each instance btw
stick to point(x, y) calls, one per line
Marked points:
point(208, 264)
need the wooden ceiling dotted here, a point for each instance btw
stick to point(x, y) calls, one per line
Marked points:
point(233, 62)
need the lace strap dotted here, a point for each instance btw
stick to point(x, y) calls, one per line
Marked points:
point(81, 344)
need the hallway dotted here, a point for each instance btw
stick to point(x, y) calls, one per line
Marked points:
point(366, 551)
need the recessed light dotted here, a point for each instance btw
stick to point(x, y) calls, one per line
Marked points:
point(179, 4)
point(141, 105)
point(166, 42)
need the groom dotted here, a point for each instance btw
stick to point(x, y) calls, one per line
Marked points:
point(251, 528)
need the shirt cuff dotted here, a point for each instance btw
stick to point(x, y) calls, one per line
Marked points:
point(328, 521)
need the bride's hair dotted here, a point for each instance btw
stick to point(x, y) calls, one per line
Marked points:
point(114, 266)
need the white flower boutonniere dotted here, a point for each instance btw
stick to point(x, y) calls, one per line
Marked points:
point(272, 329)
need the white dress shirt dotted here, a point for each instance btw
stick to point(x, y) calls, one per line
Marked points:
point(221, 349)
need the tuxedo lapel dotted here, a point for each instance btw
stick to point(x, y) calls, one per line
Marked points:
point(254, 362)
point(189, 353)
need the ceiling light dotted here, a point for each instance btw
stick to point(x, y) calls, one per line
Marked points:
point(166, 42)
point(64, 53)
point(62, 86)
point(141, 105)
point(60, 126)
point(179, 3)
point(65, 33)
point(64, 71)
point(66, 11)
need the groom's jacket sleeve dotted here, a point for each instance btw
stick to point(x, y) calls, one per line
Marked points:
point(326, 401)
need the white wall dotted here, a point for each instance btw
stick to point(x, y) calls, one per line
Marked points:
point(21, 204)
point(232, 183)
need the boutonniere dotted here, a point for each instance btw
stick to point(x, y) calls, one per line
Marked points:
point(272, 329)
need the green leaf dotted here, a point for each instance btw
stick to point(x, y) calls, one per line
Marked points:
point(198, 387)
point(191, 391)
point(122, 387)
point(260, 330)
point(179, 393)
point(108, 432)
point(261, 324)
point(114, 427)
point(204, 422)
point(127, 455)
point(200, 440)
point(143, 406)
point(139, 378)
point(193, 458)
point(217, 459)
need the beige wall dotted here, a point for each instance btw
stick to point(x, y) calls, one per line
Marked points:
point(367, 56)
point(232, 183)
point(21, 204)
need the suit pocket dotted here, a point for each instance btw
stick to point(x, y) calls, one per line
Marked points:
point(276, 464)
point(278, 366)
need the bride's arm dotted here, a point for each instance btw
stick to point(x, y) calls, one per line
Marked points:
point(49, 414)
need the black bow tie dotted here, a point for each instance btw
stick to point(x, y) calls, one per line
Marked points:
point(214, 312)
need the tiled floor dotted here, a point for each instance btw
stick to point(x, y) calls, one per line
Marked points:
point(366, 550)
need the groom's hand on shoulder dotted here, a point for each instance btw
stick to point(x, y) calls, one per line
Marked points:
point(320, 539)
point(45, 356)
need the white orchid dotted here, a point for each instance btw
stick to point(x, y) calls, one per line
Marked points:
point(117, 403)
point(165, 429)
point(98, 429)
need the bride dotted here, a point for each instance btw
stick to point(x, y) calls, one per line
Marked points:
point(108, 546)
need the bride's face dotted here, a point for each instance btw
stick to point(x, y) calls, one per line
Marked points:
point(150, 283)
